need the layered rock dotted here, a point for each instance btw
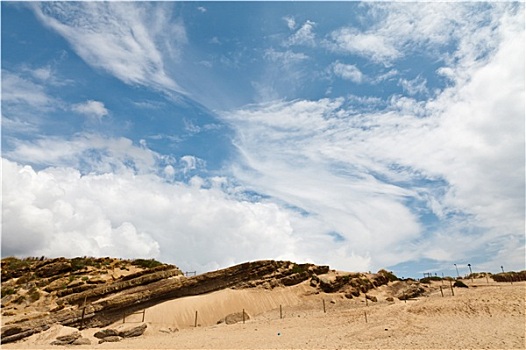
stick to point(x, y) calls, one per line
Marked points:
point(105, 304)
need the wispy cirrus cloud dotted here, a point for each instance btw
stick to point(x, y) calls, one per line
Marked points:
point(397, 29)
point(458, 158)
point(303, 36)
point(131, 41)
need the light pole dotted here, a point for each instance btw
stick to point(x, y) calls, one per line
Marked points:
point(458, 275)
point(470, 272)
point(502, 268)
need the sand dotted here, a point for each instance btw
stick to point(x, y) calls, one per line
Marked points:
point(484, 316)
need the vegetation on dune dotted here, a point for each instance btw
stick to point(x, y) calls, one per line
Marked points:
point(428, 280)
point(459, 284)
point(390, 276)
point(511, 276)
point(146, 263)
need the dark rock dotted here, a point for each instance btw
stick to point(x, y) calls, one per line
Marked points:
point(295, 278)
point(110, 339)
point(390, 299)
point(371, 298)
point(133, 332)
point(53, 269)
point(66, 339)
point(106, 333)
point(408, 290)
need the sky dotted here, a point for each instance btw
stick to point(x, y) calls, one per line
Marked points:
point(360, 135)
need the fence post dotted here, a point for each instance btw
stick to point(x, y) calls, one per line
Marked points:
point(324, 310)
point(280, 312)
point(195, 323)
point(143, 313)
point(365, 313)
point(451, 286)
point(441, 291)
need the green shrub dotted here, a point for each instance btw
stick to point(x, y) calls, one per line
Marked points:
point(146, 263)
point(511, 276)
point(8, 291)
point(459, 284)
point(390, 276)
point(428, 280)
point(299, 268)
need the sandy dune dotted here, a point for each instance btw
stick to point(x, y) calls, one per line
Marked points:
point(487, 315)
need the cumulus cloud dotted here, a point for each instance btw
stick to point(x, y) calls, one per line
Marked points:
point(124, 39)
point(59, 211)
point(91, 108)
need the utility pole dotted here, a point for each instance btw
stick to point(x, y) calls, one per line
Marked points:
point(458, 275)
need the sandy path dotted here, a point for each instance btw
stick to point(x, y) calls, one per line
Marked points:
point(488, 316)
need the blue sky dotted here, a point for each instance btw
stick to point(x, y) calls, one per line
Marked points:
point(359, 135)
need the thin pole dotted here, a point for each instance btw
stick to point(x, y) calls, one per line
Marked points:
point(280, 312)
point(365, 313)
point(441, 291)
point(143, 312)
point(243, 316)
point(366, 302)
point(451, 286)
point(195, 323)
point(324, 310)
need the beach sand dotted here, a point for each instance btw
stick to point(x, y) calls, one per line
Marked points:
point(484, 316)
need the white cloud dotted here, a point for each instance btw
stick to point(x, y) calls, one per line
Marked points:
point(397, 29)
point(91, 108)
point(18, 90)
point(348, 72)
point(88, 152)
point(376, 47)
point(24, 103)
point(414, 86)
point(124, 39)
point(58, 211)
point(303, 36)
point(291, 22)
point(286, 58)
point(460, 155)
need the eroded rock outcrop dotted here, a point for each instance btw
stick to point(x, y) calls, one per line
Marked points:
point(106, 303)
